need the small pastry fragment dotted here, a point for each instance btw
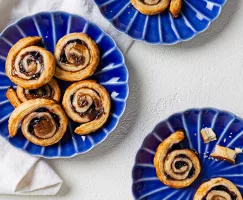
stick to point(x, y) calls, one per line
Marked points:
point(175, 7)
point(224, 153)
point(13, 97)
point(208, 135)
point(43, 121)
point(238, 150)
point(151, 7)
point(28, 65)
point(49, 91)
point(176, 168)
point(87, 103)
point(218, 189)
point(77, 57)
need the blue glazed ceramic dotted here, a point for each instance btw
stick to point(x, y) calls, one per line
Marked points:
point(196, 16)
point(111, 73)
point(229, 131)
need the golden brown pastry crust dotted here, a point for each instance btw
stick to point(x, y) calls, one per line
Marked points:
point(38, 72)
point(88, 103)
point(13, 97)
point(224, 153)
point(49, 91)
point(206, 190)
point(165, 163)
point(81, 60)
point(175, 7)
point(46, 129)
point(152, 7)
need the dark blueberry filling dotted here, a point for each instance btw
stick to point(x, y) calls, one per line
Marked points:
point(93, 112)
point(79, 60)
point(223, 188)
point(55, 117)
point(37, 57)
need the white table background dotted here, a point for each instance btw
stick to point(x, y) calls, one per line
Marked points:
point(206, 71)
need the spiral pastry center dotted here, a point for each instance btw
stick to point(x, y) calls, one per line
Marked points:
point(42, 125)
point(86, 102)
point(75, 56)
point(28, 66)
point(218, 195)
point(177, 165)
point(151, 2)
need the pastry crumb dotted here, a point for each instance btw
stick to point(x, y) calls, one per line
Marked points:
point(238, 150)
point(208, 135)
point(224, 153)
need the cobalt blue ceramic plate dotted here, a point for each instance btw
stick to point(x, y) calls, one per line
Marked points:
point(195, 17)
point(111, 73)
point(229, 131)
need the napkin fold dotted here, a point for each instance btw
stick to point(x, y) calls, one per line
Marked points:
point(21, 173)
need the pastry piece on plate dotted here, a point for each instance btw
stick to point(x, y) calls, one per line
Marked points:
point(175, 7)
point(43, 121)
point(176, 168)
point(29, 65)
point(208, 135)
point(77, 57)
point(87, 103)
point(154, 7)
point(224, 153)
point(151, 7)
point(218, 189)
point(49, 91)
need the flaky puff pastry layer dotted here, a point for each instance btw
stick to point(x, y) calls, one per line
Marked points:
point(49, 91)
point(166, 161)
point(209, 190)
point(76, 47)
point(18, 53)
point(86, 99)
point(31, 113)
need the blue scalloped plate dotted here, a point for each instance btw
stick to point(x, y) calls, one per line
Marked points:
point(229, 131)
point(196, 16)
point(111, 73)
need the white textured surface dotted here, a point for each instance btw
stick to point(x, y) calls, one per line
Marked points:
point(207, 71)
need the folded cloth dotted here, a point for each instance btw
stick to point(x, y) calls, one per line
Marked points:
point(21, 173)
point(85, 8)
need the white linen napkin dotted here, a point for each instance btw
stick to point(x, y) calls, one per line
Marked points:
point(21, 173)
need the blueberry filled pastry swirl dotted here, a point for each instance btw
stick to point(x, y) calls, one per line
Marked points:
point(176, 168)
point(77, 57)
point(49, 91)
point(218, 189)
point(28, 65)
point(87, 103)
point(43, 121)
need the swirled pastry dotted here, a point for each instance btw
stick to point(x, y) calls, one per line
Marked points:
point(87, 103)
point(43, 121)
point(177, 168)
point(151, 7)
point(49, 91)
point(30, 66)
point(77, 57)
point(218, 189)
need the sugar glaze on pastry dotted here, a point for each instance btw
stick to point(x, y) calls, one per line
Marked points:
point(218, 189)
point(28, 65)
point(176, 168)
